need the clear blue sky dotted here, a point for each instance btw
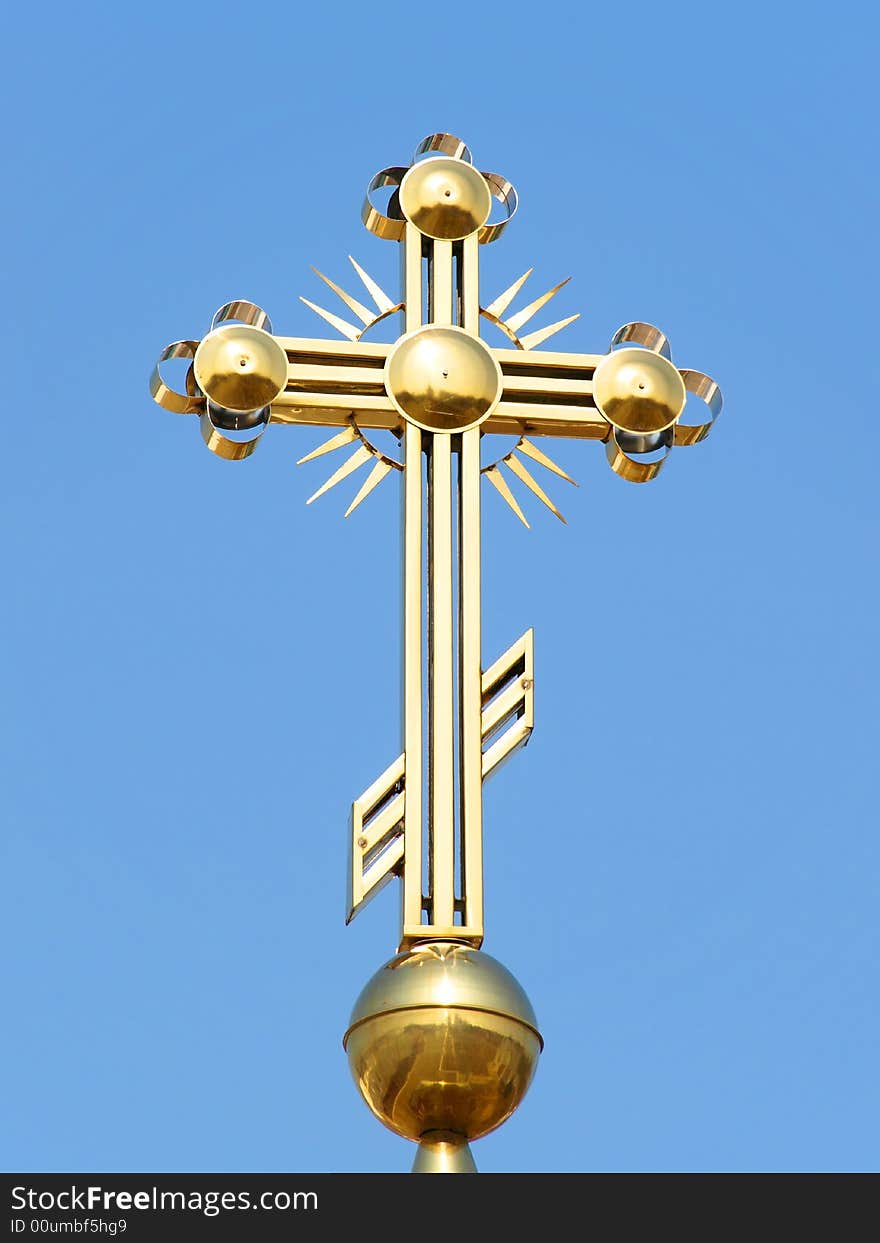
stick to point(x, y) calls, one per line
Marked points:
point(199, 673)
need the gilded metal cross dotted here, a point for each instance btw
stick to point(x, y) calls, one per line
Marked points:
point(441, 390)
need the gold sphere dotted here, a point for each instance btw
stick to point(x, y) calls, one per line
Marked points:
point(442, 379)
point(445, 199)
point(443, 1039)
point(638, 391)
point(240, 368)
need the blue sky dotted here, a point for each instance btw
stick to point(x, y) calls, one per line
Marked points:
point(199, 673)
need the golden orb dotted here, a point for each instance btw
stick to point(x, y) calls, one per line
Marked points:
point(240, 368)
point(442, 379)
point(443, 1043)
point(638, 391)
point(446, 199)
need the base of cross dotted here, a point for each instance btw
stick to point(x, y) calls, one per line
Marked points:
point(444, 1152)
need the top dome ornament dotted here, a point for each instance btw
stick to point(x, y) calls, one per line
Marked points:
point(443, 1042)
point(445, 199)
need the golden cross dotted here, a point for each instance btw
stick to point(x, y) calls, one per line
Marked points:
point(441, 389)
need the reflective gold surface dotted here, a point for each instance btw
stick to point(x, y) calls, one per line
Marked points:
point(441, 288)
point(470, 649)
point(166, 396)
point(376, 841)
point(240, 368)
point(445, 198)
point(443, 1043)
point(439, 388)
point(620, 448)
point(443, 1152)
point(638, 391)
point(445, 144)
point(507, 699)
point(443, 1038)
point(442, 973)
point(414, 637)
point(366, 315)
point(442, 379)
point(441, 683)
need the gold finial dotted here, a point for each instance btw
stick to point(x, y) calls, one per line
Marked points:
point(442, 1044)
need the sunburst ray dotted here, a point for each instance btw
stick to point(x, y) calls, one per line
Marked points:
point(375, 477)
point(361, 455)
point(376, 292)
point(537, 455)
point(495, 312)
point(515, 322)
point(542, 334)
point(513, 464)
point(335, 321)
point(503, 301)
point(365, 315)
point(495, 477)
point(335, 442)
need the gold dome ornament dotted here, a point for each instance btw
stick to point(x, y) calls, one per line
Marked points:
point(443, 1044)
point(443, 379)
point(639, 391)
point(240, 368)
point(445, 199)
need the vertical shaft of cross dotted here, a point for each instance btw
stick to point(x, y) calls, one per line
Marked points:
point(441, 684)
point(470, 627)
point(413, 615)
point(440, 280)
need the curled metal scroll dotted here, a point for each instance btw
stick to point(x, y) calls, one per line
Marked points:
point(444, 144)
point(225, 446)
point(214, 420)
point(704, 387)
point(643, 334)
point(620, 445)
point(503, 192)
point(190, 402)
point(391, 227)
point(194, 401)
point(242, 312)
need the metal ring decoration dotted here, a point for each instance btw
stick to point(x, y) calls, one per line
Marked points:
point(503, 457)
point(242, 312)
point(391, 227)
point(225, 446)
point(194, 400)
point(620, 445)
point(500, 188)
point(445, 144)
point(502, 326)
point(191, 402)
point(504, 192)
point(368, 444)
point(643, 334)
point(707, 390)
